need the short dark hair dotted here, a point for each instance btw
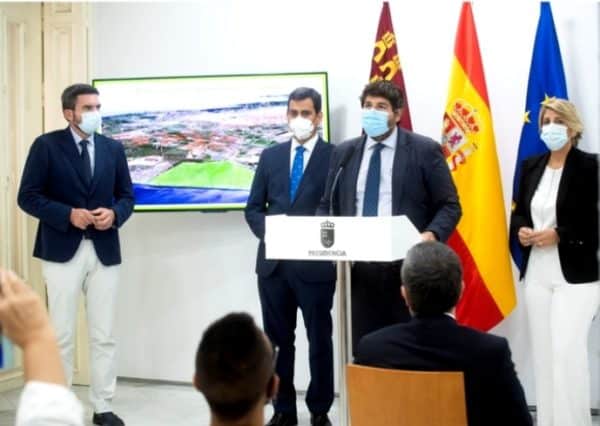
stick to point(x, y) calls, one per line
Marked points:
point(69, 95)
point(234, 365)
point(432, 276)
point(384, 89)
point(302, 93)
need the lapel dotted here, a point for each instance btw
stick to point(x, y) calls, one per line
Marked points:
point(537, 170)
point(570, 168)
point(399, 170)
point(284, 161)
point(353, 168)
point(314, 158)
point(67, 145)
point(100, 156)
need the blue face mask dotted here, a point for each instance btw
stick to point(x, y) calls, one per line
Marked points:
point(90, 122)
point(554, 136)
point(374, 122)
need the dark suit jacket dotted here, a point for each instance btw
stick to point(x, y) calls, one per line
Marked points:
point(270, 195)
point(422, 188)
point(493, 392)
point(52, 185)
point(576, 213)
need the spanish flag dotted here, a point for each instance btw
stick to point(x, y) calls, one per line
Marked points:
point(385, 64)
point(470, 150)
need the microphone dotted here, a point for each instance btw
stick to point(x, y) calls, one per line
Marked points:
point(342, 164)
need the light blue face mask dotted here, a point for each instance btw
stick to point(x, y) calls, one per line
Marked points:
point(90, 122)
point(374, 122)
point(554, 136)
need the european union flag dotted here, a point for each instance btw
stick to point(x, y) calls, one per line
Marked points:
point(546, 80)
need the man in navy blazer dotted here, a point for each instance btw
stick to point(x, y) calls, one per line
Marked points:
point(77, 183)
point(388, 171)
point(290, 179)
point(434, 341)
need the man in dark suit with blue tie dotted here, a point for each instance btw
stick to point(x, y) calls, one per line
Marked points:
point(388, 171)
point(434, 341)
point(77, 183)
point(290, 179)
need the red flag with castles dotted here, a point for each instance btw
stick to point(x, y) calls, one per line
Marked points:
point(385, 64)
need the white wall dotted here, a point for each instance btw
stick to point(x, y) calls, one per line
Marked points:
point(183, 270)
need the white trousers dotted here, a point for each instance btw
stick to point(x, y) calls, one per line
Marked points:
point(560, 316)
point(65, 282)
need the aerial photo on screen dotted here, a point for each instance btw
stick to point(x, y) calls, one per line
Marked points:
point(194, 142)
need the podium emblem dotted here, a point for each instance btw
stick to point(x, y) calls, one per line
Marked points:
point(327, 234)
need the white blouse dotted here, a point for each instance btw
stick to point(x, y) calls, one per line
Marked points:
point(543, 203)
point(544, 263)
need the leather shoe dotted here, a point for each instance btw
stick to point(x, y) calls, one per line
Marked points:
point(283, 419)
point(320, 420)
point(107, 419)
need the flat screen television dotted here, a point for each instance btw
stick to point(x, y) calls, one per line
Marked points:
point(193, 143)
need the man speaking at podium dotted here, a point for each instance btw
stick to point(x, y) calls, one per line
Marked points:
point(388, 171)
point(290, 179)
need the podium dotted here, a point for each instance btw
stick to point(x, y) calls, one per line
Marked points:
point(344, 240)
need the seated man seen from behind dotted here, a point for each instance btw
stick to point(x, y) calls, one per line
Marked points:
point(434, 341)
point(235, 370)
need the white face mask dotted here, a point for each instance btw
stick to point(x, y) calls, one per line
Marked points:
point(302, 128)
point(90, 122)
point(554, 136)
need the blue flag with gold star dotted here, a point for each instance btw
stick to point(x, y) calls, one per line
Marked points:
point(546, 80)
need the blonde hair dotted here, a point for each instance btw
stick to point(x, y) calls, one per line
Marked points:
point(567, 112)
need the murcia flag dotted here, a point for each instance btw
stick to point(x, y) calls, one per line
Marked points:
point(385, 64)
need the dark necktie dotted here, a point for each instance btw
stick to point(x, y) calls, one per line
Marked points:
point(297, 171)
point(371, 200)
point(87, 164)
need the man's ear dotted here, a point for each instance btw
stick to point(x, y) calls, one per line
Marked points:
point(406, 299)
point(196, 382)
point(404, 293)
point(398, 115)
point(68, 114)
point(273, 387)
point(319, 118)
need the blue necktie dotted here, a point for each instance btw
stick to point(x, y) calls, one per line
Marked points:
point(297, 170)
point(371, 200)
point(87, 164)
